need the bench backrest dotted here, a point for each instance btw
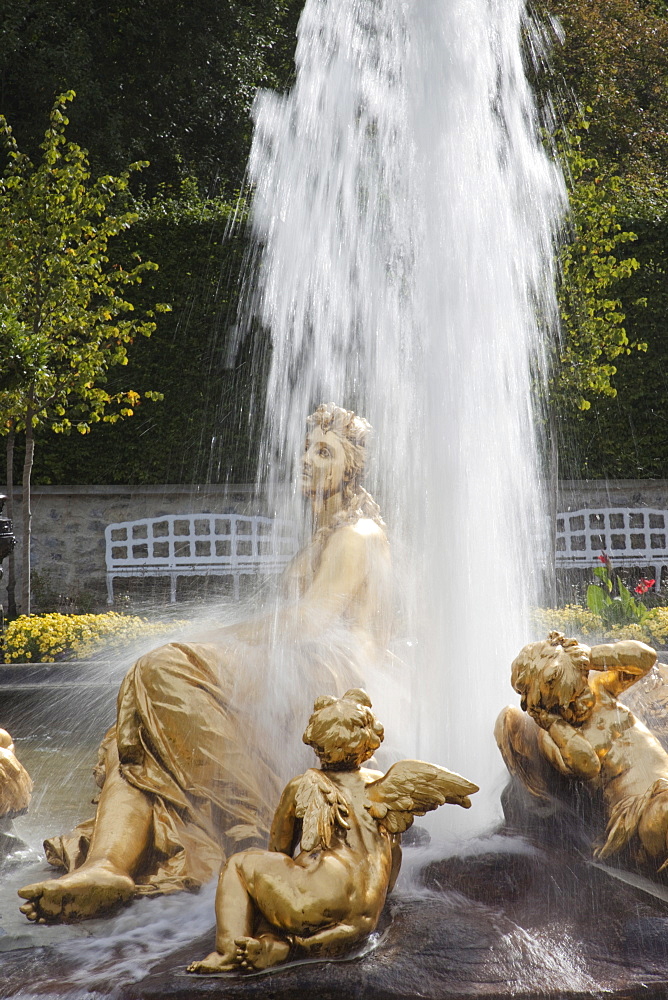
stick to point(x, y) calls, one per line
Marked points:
point(626, 534)
point(192, 540)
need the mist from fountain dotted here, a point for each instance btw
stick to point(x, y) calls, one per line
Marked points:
point(404, 214)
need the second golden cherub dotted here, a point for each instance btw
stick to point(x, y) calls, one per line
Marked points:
point(344, 821)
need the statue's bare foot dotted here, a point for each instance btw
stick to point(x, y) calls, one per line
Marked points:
point(215, 962)
point(87, 892)
point(261, 953)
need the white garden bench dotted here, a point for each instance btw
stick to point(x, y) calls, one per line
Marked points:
point(631, 536)
point(177, 545)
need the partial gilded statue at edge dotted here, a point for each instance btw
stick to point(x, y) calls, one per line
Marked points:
point(572, 725)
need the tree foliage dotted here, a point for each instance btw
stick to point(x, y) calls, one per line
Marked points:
point(593, 331)
point(65, 315)
point(610, 57)
point(626, 436)
point(174, 83)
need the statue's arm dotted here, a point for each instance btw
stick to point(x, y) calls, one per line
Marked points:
point(622, 663)
point(564, 746)
point(344, 566)
point(551, 752)
point(567, 750)
point(285, 826)
point(396, 862)
point(343, 569)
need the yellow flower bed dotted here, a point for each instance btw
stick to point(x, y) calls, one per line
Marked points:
point(574, 620)
point(655, 627)
point(571, 620)
point(42, 638)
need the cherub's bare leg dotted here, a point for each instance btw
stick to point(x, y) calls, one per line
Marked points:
point(234, 918)
point(257, 884)
point(123, 831)
point(214, 962)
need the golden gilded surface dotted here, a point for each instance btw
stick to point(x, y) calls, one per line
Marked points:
point(188, 771)
point(15, 782)
point(334, 849)
point(572, 720)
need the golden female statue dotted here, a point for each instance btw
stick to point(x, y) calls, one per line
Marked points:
point(575, 725)
point(15, 782)
point(347, 821)
point(186, 772)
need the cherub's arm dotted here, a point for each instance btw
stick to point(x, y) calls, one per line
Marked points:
point(396, 862)
point(15, 784)
point(285, 827)
point(566, 749)
point(622, 663)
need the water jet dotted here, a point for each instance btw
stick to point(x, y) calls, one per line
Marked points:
point(404, 215)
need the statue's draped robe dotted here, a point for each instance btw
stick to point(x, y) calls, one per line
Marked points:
point(189, 731)
point(15, 784)
point(178, 739)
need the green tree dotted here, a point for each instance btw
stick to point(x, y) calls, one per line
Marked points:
point(204, 430)
point(592, 266)
point(65, 317)
point(593, 332)
point(626, 436)
point(611, 57)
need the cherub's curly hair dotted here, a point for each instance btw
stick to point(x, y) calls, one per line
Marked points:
point(344, 731)
point(550, 682)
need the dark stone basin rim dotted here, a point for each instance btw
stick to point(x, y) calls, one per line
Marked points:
point(97, 672)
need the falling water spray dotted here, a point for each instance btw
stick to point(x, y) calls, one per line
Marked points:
point(404, 214)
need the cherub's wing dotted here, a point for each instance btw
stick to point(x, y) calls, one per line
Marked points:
point(15, 784)
point(412, 788)
point(321, 807)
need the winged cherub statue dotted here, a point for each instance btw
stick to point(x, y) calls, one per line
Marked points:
point(344, 824)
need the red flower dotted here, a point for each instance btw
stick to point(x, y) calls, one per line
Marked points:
point(605, 559)
point(644, 585)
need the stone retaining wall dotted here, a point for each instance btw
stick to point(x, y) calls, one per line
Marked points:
point(576, 493)
point(69, 522)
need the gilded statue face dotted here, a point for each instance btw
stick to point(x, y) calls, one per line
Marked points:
point(323, 465)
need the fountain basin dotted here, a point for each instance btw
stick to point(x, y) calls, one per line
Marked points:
point(512, 920)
